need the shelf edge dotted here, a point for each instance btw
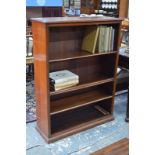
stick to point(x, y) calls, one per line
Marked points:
point(78, 87)
point(82, 105)
point(80, 57)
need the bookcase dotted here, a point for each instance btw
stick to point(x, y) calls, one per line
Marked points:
point(57, 46)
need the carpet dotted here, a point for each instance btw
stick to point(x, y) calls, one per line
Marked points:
point(30, 102)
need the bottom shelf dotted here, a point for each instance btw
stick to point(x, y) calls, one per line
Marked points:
point(74, 121)
point(77, 120)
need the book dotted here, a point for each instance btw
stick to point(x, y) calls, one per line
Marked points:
point(106, 42)
point(110, 39)
point(62, 76)
point(101, 39)
point(90, 39)
point(60, 88)
point(65, 83)
point(113, 39)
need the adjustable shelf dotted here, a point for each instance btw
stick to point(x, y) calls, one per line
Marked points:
point(80, 98)
point(76, 55)
point(57, 46)
point(92, 81)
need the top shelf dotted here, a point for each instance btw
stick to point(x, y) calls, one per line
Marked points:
point(62, 20)
point(75, 55)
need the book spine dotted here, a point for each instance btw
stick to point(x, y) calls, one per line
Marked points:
point(110, 39)
point(113, 37)
point(102, 39)
point(60, 88)
point(66, 83)
point(65, 80)
point(106, 39)
point(95, 42)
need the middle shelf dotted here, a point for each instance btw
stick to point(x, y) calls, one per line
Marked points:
point(80, 98)
point(67, 55)
point(92, 71)
point(89, 82)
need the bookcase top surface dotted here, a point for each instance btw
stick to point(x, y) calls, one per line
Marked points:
point(61, 20)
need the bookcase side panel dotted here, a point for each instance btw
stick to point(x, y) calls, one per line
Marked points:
point(117, 43)
point(40, 37)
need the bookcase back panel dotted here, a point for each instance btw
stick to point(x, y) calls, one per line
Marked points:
point(67, 41)
point(64, 39)
point(88, 68)
point(76, 117)
point(117, 37)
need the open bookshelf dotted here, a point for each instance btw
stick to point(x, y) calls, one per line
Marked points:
point(57, 46)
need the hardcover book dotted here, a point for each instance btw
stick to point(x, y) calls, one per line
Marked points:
point(62, 76)
point(90, 39)
point(64, 86)
point(101, 39)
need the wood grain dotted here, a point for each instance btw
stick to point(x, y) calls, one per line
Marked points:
point(41, 77)
point(79, 100)
point(119, 148)
point(72, 20)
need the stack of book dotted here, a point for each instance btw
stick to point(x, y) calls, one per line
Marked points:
point(63, 79)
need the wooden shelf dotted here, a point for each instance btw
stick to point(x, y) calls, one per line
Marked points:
point(92, 81)
point(75, 55)
point(75, 121)
point(79, 100)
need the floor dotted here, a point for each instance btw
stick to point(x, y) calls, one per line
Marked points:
point(85, 142)
point(120, 147)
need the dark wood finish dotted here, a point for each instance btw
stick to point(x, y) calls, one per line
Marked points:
point(76, 55)
point(116, 46)
point(51, 21)
point(57, 46)
point(95, 67)
point(78, 100)
point(52, 11)
point(92, 81)
point(119, 148)
point(77, 120)
point(40, 40)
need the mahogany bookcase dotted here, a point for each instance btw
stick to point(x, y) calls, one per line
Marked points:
point(57, 46)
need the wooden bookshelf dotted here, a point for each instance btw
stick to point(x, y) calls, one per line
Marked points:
point(57, 46)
